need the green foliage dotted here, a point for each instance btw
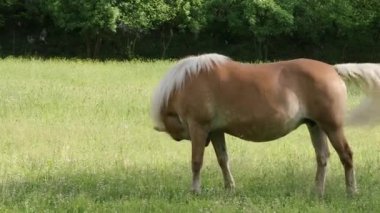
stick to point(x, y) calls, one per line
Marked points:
point(86, 16)
point(226, 16)
point(267, 18)
point(18, 12)
point(124, 27)
point(143, 15)
point(190, 15)
point(92, 19)
point(314, 18)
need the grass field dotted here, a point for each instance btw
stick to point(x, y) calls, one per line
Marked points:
point(76, 136)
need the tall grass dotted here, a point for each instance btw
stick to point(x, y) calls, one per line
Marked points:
point(76, 136)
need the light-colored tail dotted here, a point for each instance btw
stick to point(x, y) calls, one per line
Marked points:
point(367, 76)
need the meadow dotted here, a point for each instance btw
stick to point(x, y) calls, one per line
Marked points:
point(76, 136)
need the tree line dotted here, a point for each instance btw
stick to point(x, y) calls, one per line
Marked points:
point(332, 30)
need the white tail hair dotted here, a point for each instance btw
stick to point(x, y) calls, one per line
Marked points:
point(176, 77)
point(367, 76)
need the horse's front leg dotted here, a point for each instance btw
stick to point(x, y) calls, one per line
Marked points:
point(219, 144)
point(198, 135)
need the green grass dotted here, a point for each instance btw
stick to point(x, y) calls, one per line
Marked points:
point(76, 136)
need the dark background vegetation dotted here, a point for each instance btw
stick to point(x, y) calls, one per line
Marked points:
point(329, 30)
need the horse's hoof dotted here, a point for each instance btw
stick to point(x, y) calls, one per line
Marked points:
point(229, 188)
point(318, 193)
point(352, 193)
point(196, 191)
point(319, 196)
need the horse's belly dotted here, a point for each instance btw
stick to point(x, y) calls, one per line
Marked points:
point(268, 121)
point(263, 132)
point(259, 135)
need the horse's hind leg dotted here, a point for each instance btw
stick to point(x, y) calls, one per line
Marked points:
point(339, 142)
point(219, 144)
point(319, 140)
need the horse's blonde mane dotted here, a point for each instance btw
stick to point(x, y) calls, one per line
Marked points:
point(176, 77)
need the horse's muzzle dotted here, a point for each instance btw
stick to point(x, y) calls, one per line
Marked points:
point(159, 129)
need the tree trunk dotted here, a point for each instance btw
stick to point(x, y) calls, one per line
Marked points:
point(258, 50)
point(13, 41)
point(129, 48)
point(166, 44)
point(265, 51)
point(98, 42)
point(88, 47)
point(131, 44)
point(343, 53)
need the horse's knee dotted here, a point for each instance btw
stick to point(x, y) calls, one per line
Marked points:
point(322, 159)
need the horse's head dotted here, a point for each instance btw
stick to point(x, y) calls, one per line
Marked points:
point(174, 127)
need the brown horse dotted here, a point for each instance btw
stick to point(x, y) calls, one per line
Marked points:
point(203, 97)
